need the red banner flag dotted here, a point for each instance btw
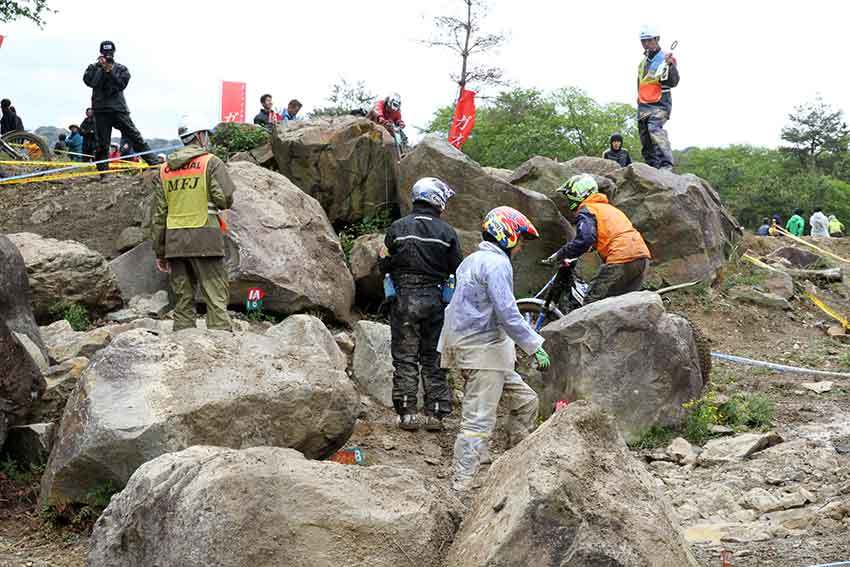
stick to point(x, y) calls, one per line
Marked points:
point(463, 120)
point(232, 102)
point(2, 37)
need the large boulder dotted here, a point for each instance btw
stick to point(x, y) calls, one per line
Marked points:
point(626, 354)
point(146, 395)
point(545, 175)
point(65, 271)
point(681, 218)
point(280, 240)
point(477, 193)
point(21, 380)
point(368, 279)
point(16, 296)
point(570, 495)
point(265, 507)
point(342, 162)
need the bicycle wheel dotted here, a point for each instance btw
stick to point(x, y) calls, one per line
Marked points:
point(27, 146)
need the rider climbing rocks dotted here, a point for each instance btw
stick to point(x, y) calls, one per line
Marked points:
point(604, 227)
point(387, 113)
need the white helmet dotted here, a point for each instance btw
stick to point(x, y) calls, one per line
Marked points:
point(648, 32)
point(394, 100)
point(432, 191)
point(189, 126)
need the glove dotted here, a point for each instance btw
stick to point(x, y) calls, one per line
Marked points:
point(542, 358)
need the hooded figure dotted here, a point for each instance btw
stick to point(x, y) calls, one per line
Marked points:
point(616, 152)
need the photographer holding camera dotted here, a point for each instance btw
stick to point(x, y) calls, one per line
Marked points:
point(108, 80)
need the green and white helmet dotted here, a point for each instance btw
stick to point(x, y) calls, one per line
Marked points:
point(578, 188)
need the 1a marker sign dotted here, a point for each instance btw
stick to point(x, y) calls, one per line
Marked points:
point(255, 299)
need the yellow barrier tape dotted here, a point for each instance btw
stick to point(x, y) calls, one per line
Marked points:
point(62, 176)
point(122, 163)
point(810, 245)
point(756, 262)
point(829, 310)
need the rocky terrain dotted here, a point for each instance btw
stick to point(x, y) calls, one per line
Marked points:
point(127, 444)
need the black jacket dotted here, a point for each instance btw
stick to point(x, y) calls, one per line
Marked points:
point(10, 122)
point(107, 92)
point(263, 118)
point(423, 249)
point(621, 156)
point(87, 128)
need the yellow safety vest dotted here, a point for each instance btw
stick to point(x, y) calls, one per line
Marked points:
point(186, 193)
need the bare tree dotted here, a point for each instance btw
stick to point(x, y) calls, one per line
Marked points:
point(462, 34)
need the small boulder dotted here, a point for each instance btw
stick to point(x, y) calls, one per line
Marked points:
point(341, 162)
point(683, 452)
point(476, 194)
point(67, 271)
point(368, 279)
point(280, 241)
point(780, 284)
point(146, 395)
point(308, 332)
point(129, 238)
point(136, 272)
point(570, 494)
point(756, 297)
point(737, 448)
point(797, 257)
point(61, 381)
point(64, 343)
point(626, 354)
point(373, 361)
point(266, 507)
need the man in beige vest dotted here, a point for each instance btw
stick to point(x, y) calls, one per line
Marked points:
point(192, 189)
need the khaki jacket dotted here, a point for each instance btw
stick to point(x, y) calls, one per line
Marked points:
point(204, 242)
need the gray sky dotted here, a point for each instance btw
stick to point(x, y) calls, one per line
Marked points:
point(744, 65)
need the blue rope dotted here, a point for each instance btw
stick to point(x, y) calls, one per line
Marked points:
point(779, 367)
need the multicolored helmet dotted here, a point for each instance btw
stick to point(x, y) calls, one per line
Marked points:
point(432, 191)
point(394, 101)
point(507, 225)
point(578, 188)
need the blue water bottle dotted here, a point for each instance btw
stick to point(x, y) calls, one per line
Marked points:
point(449, 289)
point(389, 288)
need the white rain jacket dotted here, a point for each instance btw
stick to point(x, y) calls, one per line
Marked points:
point(820, 225)
point(482, 322)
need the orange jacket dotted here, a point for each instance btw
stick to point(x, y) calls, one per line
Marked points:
point(617, 241)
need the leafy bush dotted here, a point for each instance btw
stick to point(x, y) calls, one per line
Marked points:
point(232, 137)
point(655, 436)
point(740, 412)
point(369, 225)
point(76, 314)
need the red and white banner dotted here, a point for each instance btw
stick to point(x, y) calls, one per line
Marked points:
point(2, 37)
point(463, 120)
point(232, 102)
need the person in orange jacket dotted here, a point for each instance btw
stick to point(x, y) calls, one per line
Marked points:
point(604, 227)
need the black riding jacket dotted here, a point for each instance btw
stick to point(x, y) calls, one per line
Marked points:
point(423, 249)
point(107, 89)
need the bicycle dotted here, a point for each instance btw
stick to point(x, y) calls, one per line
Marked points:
point(549, 305)
point(24, 146)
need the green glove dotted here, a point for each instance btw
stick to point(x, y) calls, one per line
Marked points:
point(542, 358)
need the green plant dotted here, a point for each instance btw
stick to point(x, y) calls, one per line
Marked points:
point(76, 314)
point(369, 225)
point(655, 436)
point(260, 316)
point(231, 138)
point(742, 411)
point(844, 359)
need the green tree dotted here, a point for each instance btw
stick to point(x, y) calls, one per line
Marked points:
point(33, 10)
point(345, 97)
point(817, 134)
point(522, 123)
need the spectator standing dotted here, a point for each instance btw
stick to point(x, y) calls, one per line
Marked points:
point(87, 131)
point(75, 143)
point(10, 120)
point(108, 80)
point(292, 109)
point(61, 146)
point(819, 223)
point(267, 117)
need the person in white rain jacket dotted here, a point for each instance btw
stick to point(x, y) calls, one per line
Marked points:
point(819, 223)
point(482, 325)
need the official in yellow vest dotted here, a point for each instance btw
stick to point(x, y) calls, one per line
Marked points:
point(192, 191)
point(604, 227)
point(658, 72)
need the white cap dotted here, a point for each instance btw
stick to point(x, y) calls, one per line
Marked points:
point(648, 32)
